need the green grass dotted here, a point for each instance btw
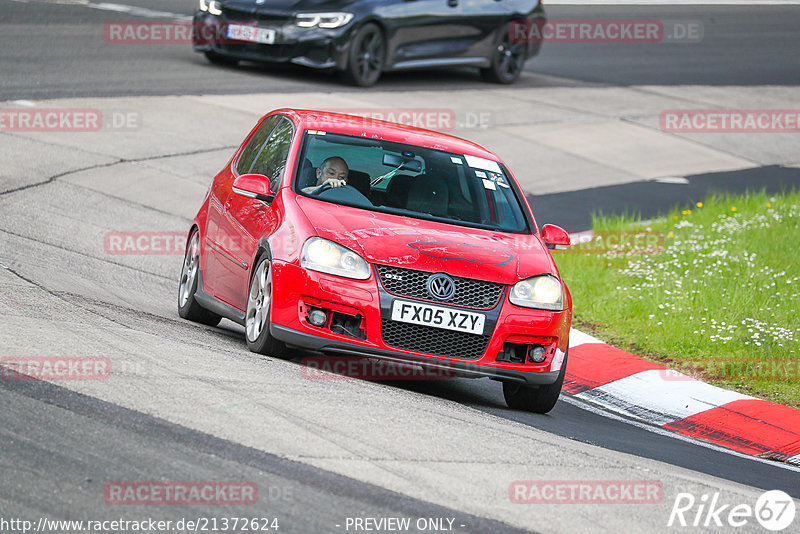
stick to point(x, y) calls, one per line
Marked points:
point(719, 299)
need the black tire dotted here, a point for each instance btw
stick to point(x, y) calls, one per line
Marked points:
point(259, 309)
point(188, 307)
point(507, 60)
point(218, 59)
point(366, 57)
point(539, 399)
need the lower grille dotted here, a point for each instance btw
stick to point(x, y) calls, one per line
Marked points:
point(267, 52)
point(436, 341)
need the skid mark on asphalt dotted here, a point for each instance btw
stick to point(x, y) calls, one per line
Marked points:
point(111, 164)
point(136, 444)
point(78, 252)
point(137, 11)
point(116, 8)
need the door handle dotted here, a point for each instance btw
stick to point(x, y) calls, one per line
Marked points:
point(452, 3)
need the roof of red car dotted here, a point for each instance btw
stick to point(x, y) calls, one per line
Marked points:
point(355, 125)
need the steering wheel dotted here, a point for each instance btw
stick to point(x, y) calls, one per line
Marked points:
point(321, 188)
point(346, 194)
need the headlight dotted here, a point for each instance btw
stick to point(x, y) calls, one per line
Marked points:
point(542, 292)
point(214, 7)
point(328, 257)
point(323, 20)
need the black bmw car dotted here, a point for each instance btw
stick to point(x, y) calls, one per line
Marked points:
point(363, 38)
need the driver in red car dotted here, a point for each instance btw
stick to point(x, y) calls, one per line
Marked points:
point(333, 172)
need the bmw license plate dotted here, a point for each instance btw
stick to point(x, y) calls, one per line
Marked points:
point(436, 316)
point(252, 34)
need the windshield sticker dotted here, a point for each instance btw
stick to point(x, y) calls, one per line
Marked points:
point(488, 184)
point(482, 163)
point(455, 160)
point(498, 179)
point(480, 174)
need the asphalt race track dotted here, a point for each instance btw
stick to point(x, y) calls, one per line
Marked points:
point(742, 45)
point(190, 403)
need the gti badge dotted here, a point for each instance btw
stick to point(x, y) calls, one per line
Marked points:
point(441, 287)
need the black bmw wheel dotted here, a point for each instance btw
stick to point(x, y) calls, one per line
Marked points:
point(508, 58)
point(539, 399)
point(367, 55)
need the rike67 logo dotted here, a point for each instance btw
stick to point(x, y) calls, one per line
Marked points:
point(774, 510)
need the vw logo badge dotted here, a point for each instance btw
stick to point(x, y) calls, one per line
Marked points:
point(440, 287)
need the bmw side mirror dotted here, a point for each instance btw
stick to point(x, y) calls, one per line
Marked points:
point(253, 186)
point(555, 237)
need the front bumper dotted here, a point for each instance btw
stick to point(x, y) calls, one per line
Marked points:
point(470, 370)
point(310, 47)
point(298, 289)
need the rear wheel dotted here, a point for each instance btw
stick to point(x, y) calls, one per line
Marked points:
point(507, 59)
point(259, 306)
point(539, 399)
point(218, 59)
point(367, 54)
point(188, 307)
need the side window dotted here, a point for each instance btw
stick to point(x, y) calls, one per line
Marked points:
point(271, 161)
point(256, 143)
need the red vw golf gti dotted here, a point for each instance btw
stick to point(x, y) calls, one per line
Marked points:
point(346, 235)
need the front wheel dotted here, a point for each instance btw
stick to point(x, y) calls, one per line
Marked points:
point(366, 57)
point(188, 307)
point(259, 306)
point(539, 399)
point(507, 59)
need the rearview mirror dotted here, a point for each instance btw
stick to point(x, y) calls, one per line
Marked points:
point(253, 186)
point(402, 163)
point(555, 237)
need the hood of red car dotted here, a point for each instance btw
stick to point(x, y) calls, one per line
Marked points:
point(430, 246)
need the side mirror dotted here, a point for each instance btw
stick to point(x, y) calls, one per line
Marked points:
point(254, 186)
point(555, 237)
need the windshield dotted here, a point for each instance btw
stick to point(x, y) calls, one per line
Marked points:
point(409, 180)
